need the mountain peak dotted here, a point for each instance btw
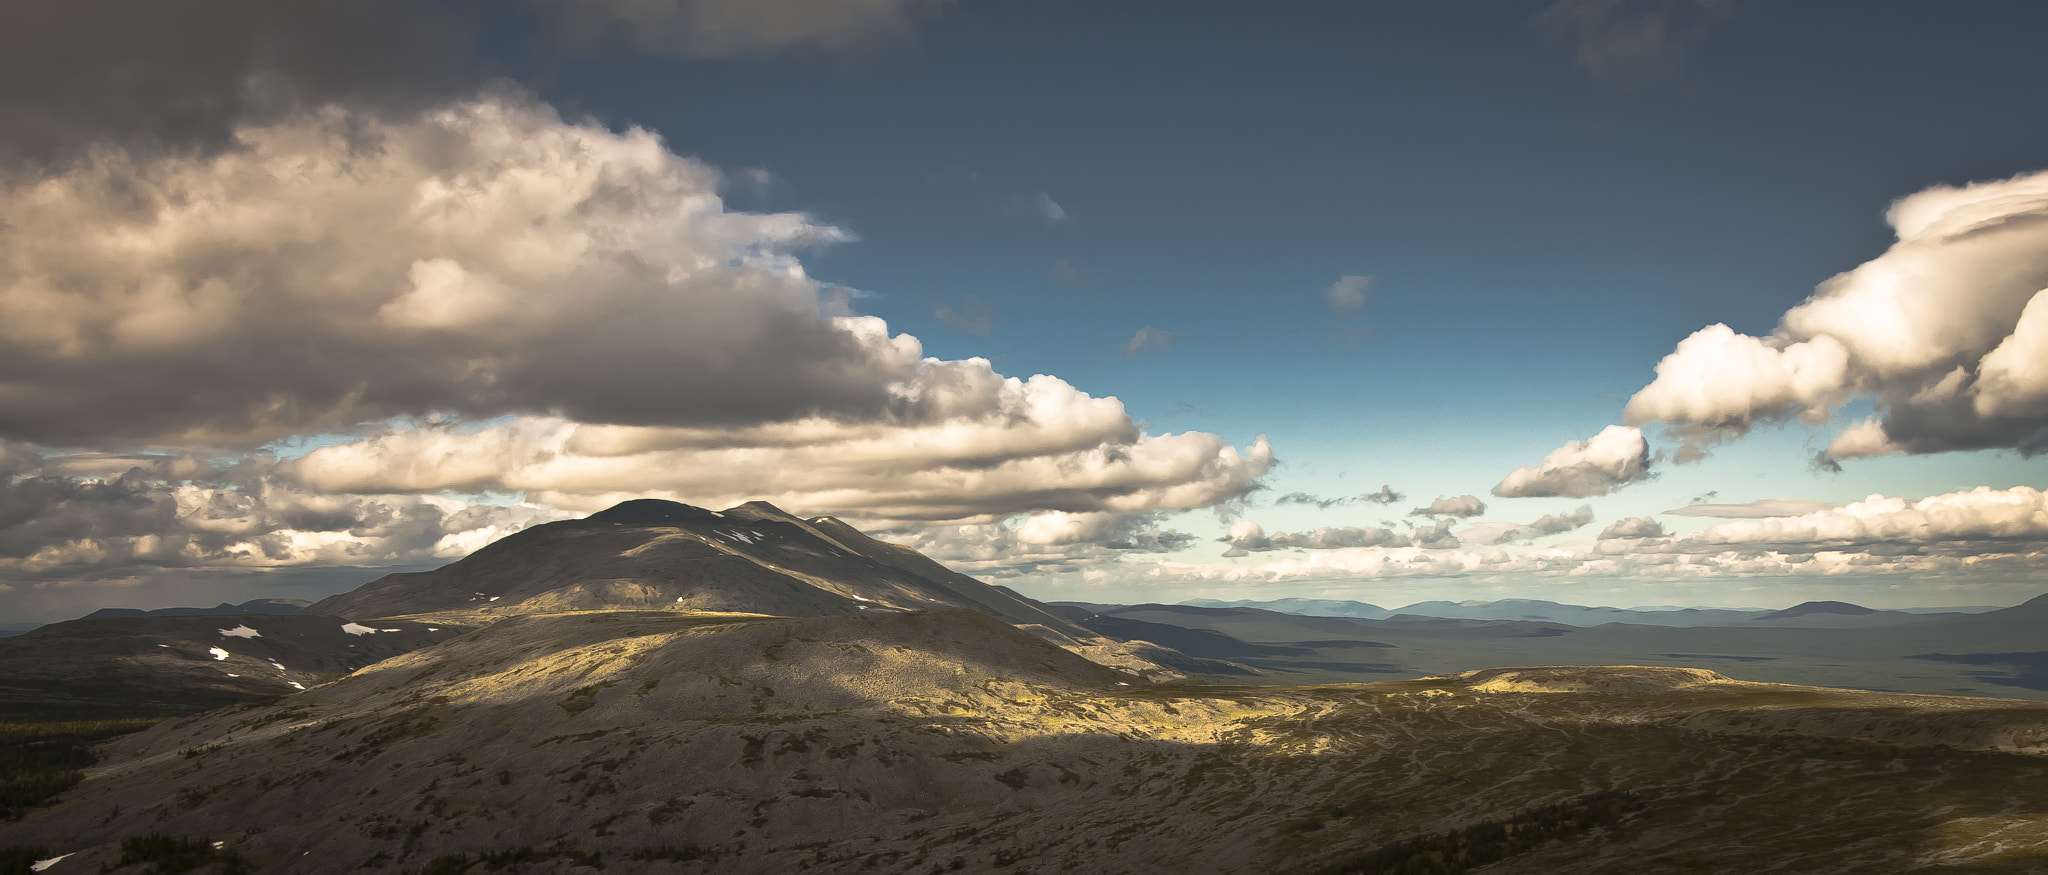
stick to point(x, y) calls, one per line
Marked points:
point(1804, 608)
point(654, 512)
point(757, 510)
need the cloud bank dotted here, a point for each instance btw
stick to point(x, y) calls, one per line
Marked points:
point(484, 316)
point(482, 258)
point(1946, 331)
point(1987, 534)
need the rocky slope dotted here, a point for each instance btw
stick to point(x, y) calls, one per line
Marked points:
point(914, 741)
point(618, 693)
point(650, 554)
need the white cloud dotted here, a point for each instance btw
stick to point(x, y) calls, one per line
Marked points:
point(1766, 507)
point(1548, 524)
point(1946, 331)
point(1460, 506)
point(1615, 457)
point(1246, 536)
point(1983, 533)
point(1633, 527)
point(484, 257)
point(1043, 542)
point(176, 512)
point(484, 298)
point(1385, 495)
point(1948, 521)
point(983, 447)
point(1347, 294)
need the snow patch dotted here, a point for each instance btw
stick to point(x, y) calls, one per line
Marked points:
point(494, 598)
point(862, 598)
point(356, 629)
point(219, 655)
point(275, 664)
point(432, 629)
point(240, 632)
point(42, 865)
point(390, 630)
point(296, 684)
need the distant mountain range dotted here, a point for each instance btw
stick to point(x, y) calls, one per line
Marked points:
point(1814, 615)
point(663, 688)
point(252, 606)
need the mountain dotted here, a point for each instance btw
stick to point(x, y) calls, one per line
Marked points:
point(1995, 653)
point(647, 554)
point(903, 742)
point(1810, 614)
point(621, 693)
point(1309, 607)
point(1804, 608)
point(650, 554)
point(252, 606)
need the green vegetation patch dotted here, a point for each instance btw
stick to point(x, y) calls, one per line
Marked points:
point(39, 760)
point(1464, 849)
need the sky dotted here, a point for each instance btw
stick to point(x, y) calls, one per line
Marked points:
point(1608, 302)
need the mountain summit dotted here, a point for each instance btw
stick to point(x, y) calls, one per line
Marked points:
point(650, 554)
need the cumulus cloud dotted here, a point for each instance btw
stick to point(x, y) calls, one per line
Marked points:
point(1767, 507)
point(987, 447)
point(1633, 45)
point(1952, 520)
point(481, 297)
point(1148, 340)
point(1514, 533)
point(1385, 495)
point(1246, 537)
point(1633, 527)
point(1458, 506)
point(1614, 458)
point(1945, 331)
point(1332, 538)
point(1347, 294)
point(482, 258)
point(1050, 541)
point(1986, 533)
point(181, 512)
point(733, 28)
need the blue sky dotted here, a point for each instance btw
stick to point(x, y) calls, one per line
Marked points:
point(1417, 246)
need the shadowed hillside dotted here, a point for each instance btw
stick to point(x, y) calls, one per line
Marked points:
point(662, 688)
